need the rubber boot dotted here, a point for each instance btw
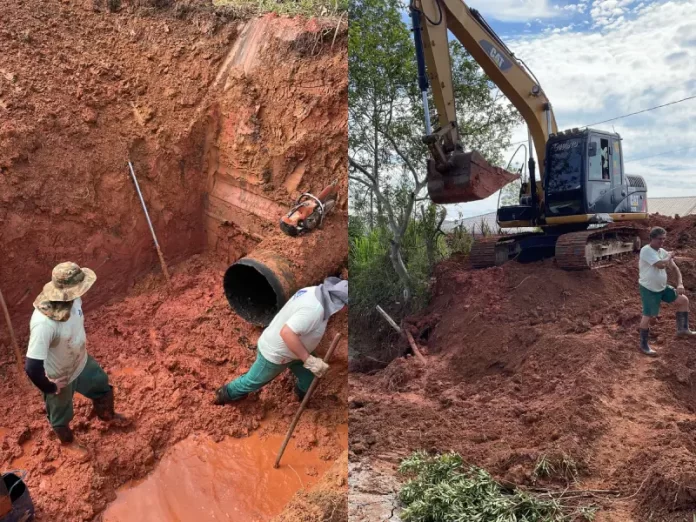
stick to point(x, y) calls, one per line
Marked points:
point(104, 408)
point(683, 325)
point(299, 393)
point(222, 398)
point(65, 435)
point(644, 346)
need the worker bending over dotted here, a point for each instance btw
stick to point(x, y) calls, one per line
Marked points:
point(653, 264)
point(57, 360)
point(289, 341)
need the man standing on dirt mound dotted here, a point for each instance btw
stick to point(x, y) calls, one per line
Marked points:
point(57, 360)
point(289, 341)
point(653, 264)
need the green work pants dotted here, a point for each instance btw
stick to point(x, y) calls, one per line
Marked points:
point(652, 300)
point(93, 383)
point(262, 372)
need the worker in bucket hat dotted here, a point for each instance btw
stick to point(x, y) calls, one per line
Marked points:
point(289, 341)
point(57, 360)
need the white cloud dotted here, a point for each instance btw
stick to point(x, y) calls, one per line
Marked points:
point(642, 56)
point(515, 10)
point(605, 12)
point(579, 8)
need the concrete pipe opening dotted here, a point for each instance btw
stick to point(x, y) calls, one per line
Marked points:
point(258, 285)
point(253, 291)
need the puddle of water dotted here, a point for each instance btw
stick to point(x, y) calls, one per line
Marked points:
point(233, 480)
point(23, 461)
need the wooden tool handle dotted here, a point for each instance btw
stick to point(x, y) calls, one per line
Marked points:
point(334, 343)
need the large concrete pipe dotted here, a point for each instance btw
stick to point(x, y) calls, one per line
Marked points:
point(258, 285)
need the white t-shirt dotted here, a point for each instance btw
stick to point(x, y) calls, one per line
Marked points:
point(62, 345)
point(304, 315)
point(652, 278)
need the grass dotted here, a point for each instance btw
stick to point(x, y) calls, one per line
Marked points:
point(556, 466)
point(443, 488)
point(308, 8)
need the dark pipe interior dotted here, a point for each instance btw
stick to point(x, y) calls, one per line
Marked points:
point(253, 291)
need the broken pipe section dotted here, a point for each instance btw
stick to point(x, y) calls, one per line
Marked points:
point(258, 285)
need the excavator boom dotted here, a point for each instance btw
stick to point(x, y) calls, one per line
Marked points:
point(450, 166)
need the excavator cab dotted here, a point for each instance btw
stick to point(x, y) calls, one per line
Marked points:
point(585, 177)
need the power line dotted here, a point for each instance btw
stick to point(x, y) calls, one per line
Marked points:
point(660, 154)
point(640, 112)
point(627, 115)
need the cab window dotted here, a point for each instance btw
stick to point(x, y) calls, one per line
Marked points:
point(599, 159)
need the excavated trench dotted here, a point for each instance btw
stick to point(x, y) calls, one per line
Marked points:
point(227, 123)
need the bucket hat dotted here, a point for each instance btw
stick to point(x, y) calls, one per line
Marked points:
point(68, 282)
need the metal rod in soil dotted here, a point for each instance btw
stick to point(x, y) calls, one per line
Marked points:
point(15, 346)
point(307, 396)
point(152, 229)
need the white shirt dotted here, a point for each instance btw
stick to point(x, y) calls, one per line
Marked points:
point(651, 277)
point(62, 345)
point(304, 315)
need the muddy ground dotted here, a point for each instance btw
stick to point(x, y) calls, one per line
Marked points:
point(165, 355)
point(528, 362)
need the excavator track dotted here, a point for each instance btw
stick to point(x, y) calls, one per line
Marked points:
point(494, 250)
point(482, 253)
point(595, 248)
point(582, 250)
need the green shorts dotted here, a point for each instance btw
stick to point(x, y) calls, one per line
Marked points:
point(651, 300)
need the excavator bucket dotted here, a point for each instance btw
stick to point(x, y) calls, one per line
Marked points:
point(467, 177)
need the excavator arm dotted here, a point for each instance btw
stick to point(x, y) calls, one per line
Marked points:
point(455, 176)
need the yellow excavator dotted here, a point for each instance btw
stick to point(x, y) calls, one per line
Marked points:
point(586, 207)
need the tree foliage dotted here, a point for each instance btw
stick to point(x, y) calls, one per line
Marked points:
point(395, 232)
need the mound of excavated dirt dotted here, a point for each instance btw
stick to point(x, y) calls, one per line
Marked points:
point(530, 362)
point(165, 355)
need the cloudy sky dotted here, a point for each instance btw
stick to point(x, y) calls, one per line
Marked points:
point(598, 59)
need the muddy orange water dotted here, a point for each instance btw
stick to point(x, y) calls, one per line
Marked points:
point(233, 480)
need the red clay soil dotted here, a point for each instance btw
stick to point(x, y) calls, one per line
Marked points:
point(530, 361)
point(165, 355)
point(81, 92)
point(174, 87)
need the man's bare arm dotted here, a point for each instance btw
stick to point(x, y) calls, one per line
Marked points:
point(293, 342)
point(665, 263)
point(674, 266)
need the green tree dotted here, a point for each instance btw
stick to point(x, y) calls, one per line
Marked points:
point(381, 69)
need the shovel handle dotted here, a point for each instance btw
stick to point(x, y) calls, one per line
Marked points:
point(295, 420)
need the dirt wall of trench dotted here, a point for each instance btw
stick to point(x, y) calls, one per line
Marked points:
point(278, 129)
point(226, 122)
